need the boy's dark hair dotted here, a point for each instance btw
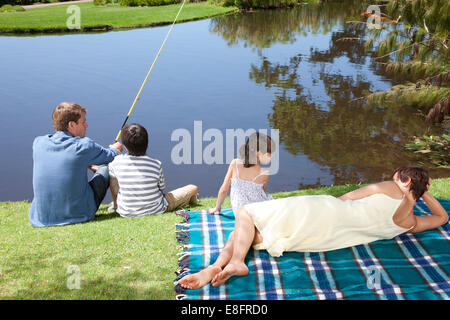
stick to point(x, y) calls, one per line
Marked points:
point(256, 142)
point(135, 139)
point(419, 179)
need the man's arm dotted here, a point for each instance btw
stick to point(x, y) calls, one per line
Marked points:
point(96, 154)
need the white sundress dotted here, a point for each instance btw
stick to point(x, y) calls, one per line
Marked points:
point(323, 223)
point(245, 191)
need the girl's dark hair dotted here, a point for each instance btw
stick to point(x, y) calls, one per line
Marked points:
point(135, 139)
point(255, 142)
point(419, 179)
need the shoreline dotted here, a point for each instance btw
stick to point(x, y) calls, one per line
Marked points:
point(94, 23)
point(440, 188)
point(101, 28)
point(50, 4)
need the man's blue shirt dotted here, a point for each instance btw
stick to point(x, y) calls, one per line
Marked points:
point(62, 194)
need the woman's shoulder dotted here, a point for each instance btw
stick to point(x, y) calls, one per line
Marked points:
point(389, 188)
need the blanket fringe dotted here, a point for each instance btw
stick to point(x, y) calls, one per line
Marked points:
point(180, 297)
point(184, 213)
point(182, 236)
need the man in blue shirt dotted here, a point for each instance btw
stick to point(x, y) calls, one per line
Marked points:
point(62, 193)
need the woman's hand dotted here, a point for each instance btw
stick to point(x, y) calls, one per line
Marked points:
point(405, 187)
point(429, 184)
point(214, 211)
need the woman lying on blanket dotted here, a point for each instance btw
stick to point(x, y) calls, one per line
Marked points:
point(323, 223)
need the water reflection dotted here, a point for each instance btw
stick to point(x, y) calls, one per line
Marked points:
point(281, 68)
point(313, 92)
point(264, 28)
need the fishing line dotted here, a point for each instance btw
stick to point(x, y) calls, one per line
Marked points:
point(148, 74)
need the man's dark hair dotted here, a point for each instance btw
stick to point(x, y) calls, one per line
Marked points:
point(419, 179)
point(135, 139)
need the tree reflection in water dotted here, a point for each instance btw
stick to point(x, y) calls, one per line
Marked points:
point(356, 142)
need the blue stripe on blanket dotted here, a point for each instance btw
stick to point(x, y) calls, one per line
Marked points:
point(408, 267)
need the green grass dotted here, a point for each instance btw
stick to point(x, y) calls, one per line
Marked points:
point(93, 18)
point(118, 258)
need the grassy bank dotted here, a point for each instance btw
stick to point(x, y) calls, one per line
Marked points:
point(103, 18)
point(118, 258)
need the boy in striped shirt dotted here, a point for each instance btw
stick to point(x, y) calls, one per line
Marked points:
point(137, 181)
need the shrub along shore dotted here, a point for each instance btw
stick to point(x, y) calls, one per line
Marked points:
point(53, 19)
point(116, 258)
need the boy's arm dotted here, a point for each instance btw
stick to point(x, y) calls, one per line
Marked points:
point(111, 170)
point(161, 182)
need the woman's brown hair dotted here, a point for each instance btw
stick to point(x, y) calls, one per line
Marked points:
point(419, 179)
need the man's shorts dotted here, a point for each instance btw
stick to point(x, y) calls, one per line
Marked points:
point(99, 184)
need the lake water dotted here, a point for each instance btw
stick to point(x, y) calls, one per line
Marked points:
point(283, 69)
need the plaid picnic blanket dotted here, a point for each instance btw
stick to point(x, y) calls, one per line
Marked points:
point(408, 267)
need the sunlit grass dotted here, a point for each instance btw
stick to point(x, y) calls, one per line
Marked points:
point(54, 18)
point(118, 258)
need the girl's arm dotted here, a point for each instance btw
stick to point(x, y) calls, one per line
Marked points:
point(223, 191)
point(437, 218)
point(266, 183)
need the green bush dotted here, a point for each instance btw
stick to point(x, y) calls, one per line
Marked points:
point(10, 8)
point(256, 4)
point(138, 3)
point(27, 2)
point(105, 2)
point(145, 3)
point(7, 8)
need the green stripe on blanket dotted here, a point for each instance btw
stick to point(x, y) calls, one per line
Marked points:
point(410, 266)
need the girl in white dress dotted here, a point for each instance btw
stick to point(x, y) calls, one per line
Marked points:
point(247, 180)
point(322, 223)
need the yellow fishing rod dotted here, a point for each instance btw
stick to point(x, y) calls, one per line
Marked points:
point(148, 74)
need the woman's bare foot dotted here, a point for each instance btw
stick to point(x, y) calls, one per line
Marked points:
point(199, 279)
point(239, 269)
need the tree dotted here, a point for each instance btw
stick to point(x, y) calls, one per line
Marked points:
point(415, 45)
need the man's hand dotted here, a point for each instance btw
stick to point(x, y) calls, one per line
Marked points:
point(94, 168)
point(117, 146)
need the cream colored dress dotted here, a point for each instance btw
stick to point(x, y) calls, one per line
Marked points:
point(323, 223)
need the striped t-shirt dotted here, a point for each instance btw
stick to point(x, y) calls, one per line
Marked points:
point(141, 185)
